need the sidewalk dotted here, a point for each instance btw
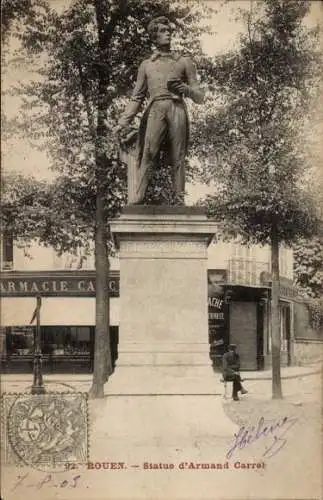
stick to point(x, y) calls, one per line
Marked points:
point(288, 372)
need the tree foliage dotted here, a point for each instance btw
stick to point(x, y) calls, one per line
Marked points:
point(308, 266)
point(23, 202)
point(12, 13)
point(257, 151)
point(59, 214)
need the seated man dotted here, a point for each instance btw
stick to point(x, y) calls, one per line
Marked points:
point(231, 369)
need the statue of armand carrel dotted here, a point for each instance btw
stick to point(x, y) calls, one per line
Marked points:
point(167, 78)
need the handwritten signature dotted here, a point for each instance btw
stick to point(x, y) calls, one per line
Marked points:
point(48, 480)
point(276, 430)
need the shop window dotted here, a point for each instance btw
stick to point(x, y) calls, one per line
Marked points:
point(55, 341)
point(3, 346)
point(20, 340)
point(66, 340)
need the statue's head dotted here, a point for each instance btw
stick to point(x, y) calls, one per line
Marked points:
point(160, 31)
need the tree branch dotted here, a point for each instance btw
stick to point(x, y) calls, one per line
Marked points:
point(106, 32)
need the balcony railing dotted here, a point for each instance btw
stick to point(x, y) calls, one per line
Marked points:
point(246, 272)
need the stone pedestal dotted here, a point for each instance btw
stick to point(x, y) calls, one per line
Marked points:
point(163, 331)
point(163, 285)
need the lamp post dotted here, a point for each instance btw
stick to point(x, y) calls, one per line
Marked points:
point(37, 387)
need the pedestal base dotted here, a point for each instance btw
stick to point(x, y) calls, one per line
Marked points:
point(163, 285)
point(163, 334)
point(164, 380)
point(188, 396)
point(163, 353)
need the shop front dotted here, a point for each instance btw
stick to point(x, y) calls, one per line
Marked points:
point(240, 315)
point(236, 316)
point(67, 320)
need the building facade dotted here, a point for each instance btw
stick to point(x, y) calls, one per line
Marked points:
point(243, 276)
point(66, 284)
point(238, 304)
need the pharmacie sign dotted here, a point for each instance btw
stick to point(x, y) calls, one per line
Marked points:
point(54, 285)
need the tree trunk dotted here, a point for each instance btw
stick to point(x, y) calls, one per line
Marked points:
point(102, 356)
point(102, 351)
point(275, 319)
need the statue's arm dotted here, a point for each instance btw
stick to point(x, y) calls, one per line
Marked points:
point(138, 96)
point(194, 91)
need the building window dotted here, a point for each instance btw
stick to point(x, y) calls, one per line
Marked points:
point(55, 340)
point(284, 326)
point(66, 340)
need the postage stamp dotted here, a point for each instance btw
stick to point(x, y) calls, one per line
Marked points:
point(45, 430)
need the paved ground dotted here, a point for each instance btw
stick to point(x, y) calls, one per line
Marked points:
point(180, 435)
point(22, 381)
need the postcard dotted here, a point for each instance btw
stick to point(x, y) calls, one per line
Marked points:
point(161, 302)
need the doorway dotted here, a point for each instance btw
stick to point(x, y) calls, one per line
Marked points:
point(243, 332)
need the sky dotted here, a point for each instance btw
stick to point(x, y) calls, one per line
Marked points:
point(18, 155)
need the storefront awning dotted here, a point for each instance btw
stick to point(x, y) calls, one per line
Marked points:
point(71, 311)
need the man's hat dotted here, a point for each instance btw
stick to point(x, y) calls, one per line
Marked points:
point(232, 345)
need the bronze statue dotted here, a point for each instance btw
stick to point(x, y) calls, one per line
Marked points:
point(166, 78)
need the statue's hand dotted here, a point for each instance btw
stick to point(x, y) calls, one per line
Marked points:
point(125, 134)
point(118, 130)
point(178, 87)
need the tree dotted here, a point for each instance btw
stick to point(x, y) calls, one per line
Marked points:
point(308, 266)
point(58, 214)
point(91, 53)
point(256, 157)
point(22, 206)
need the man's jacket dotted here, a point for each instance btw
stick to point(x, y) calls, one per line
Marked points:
point(230, 364)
